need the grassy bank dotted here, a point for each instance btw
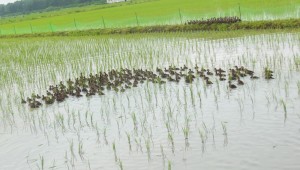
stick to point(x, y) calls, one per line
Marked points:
point(245, 25)
point(156, 12)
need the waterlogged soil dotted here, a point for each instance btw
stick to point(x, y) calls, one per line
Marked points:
point(167, 126)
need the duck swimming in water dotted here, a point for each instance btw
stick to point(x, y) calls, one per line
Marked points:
point(232, 86)
point(240, 82)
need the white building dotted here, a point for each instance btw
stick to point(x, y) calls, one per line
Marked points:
point(114, 1)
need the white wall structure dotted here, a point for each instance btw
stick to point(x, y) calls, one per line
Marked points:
point(114, 1)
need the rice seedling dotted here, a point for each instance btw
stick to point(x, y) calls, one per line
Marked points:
point(129, 140)
point(298, 85)
point(115, 152)
point(53, 165)
point(89, 164)
point(216, 100)
point(283, 103)
point(186, 129)
point(163, 155)
point(297, 62)
point(171, 140)
point(202, 136)
point(169, 165)
point(286, 88)
point(97, 133)
point(92, 121)
point(147, 143)
point(241, 105)
point(104, 136)
point(42, 163)
point(79, 118)
point(120, 163)
point(72, 149)
point(134, 120)
point(80, 150)
point(225, 133)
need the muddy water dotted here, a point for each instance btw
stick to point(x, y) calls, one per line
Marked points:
point(256, 126)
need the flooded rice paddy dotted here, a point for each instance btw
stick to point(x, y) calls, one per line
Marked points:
point(171, 125)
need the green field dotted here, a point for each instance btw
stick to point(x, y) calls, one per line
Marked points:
point(155, 12)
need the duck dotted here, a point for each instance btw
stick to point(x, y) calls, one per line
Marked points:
point(242, 74)
point(185, 67)
point(70, 82)
point(240, 82)
point(127, 86)
point(231, 77)
point(122, 90)
point(108, 87)
point(29, 99)
point(201, 74)
point(43, 97)
point(49, 100)
point(49, 93)
point(60, 97)
point(209, 73)
point(84, 89)
point(221, 70)
point(77, 94)
point(158, 69)
point(34, 104)
point(268, 74)
point(116, 89)
point(249, 72)
point(238, 68)
point(222, 78)
point(190, 71)
point(161, 82)
point(100, 93)
point(216, 72)
point(171, 79)
point(254, 77)
point(134, 84)
point(23, 101)
point(232, 86)
point(33, 96)
point(164, 75)
point(88, 94)
point(189, 78)
point(207, 81)
point(177, 78)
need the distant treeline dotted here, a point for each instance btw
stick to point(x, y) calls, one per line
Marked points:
point(27, 6)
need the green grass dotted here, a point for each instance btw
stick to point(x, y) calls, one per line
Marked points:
point(156, 12)
point(288, 24)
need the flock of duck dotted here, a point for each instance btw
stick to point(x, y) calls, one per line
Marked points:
point(219, 20)
point(124, 79)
